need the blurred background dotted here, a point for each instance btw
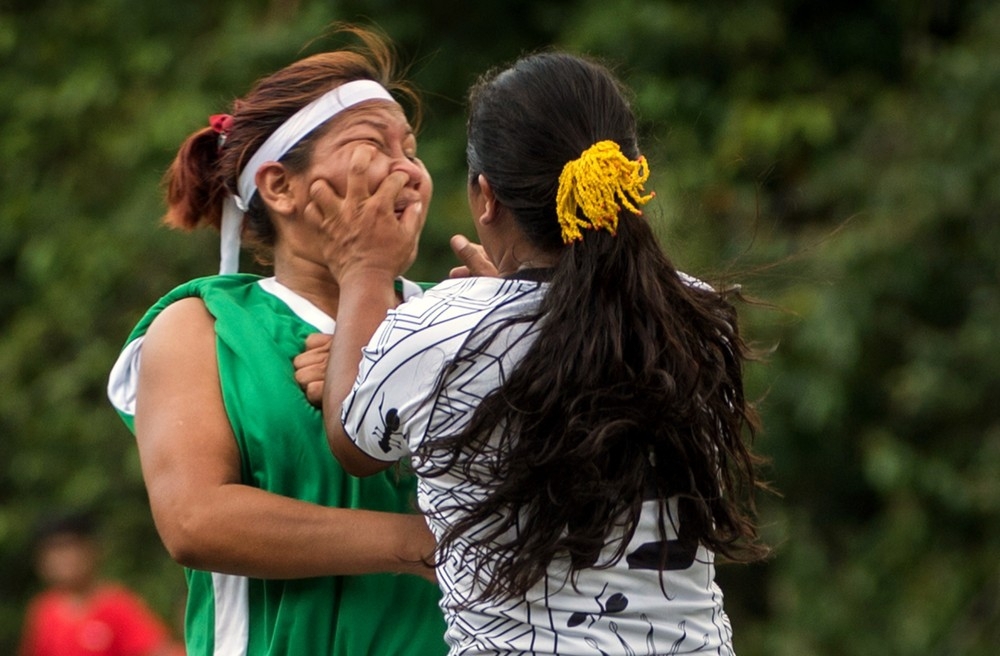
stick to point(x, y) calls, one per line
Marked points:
point(840, 160)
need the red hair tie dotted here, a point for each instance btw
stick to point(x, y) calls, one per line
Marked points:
point(222, 124)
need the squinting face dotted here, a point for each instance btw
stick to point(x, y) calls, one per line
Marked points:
point(382, 127)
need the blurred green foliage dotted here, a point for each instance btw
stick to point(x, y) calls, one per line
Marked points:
point(839, 160)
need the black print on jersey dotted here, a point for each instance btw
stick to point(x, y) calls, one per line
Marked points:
point(680, 555)
point(390, 424)
point(616, 603)
point(668, 554)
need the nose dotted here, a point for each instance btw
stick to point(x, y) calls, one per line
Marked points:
point(413, 168)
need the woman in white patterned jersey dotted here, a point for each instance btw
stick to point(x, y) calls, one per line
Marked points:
point(577, 423)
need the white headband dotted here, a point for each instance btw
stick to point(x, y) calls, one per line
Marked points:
point(274, 148)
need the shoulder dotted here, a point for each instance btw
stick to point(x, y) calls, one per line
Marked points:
point(180, 325)
point(209, 291)
point(179, 330)
point(189, 311)
point(188, 295)
point(177, 356)
point(484, 287)
point(43, 602)
point(473, 295)
point(167, 333)
point(453, 308)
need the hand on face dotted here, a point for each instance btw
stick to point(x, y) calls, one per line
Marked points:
point(368, 232)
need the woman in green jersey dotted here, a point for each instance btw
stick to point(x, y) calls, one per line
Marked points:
point(285, 553)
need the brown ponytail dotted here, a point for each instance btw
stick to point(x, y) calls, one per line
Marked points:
point(194, 188)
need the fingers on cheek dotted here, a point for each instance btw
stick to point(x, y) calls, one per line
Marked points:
point(321, 193)
point(323, 204)
point(315, 192)
point(361, 159)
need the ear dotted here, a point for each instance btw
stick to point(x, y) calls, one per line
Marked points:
point(491, 207)
point(274, 185)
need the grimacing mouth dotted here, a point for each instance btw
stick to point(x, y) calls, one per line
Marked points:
point(402, 203)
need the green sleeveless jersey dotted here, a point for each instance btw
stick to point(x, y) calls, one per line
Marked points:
point(283, 449)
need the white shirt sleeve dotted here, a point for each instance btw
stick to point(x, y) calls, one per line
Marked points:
point(387, 412)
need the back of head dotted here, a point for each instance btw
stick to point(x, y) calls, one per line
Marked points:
point(631, 364)
point(66, 550)
point(75, 523)
point(527, 121)
point(209, 162)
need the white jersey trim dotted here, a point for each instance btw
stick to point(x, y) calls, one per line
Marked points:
point(124, 378)
point(232, 614)
point(301, 306)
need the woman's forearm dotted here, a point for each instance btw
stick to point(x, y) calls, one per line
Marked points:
point(365, 299)
point(238, 529)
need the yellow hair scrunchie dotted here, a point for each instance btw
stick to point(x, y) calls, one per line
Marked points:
point(600, 182)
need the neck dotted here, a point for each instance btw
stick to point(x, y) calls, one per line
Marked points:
point(309, 280)
point(521, 257)
point(509, 248)
point(79, 591)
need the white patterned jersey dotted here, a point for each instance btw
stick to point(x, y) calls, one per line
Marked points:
point(630, 608)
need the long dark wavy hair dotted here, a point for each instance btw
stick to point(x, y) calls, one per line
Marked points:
point(633, 387)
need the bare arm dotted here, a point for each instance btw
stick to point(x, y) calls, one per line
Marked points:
point(361, 311)
point(206, 518)
point(366, 246)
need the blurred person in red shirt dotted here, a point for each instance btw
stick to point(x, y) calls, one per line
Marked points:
point(78, 614)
